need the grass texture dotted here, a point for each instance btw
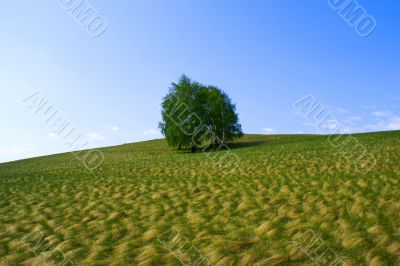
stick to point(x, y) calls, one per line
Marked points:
point(286, 193)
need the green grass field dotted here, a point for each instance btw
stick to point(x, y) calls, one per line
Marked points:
point(150, 205)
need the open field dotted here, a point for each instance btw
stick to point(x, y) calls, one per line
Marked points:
point(146, 201)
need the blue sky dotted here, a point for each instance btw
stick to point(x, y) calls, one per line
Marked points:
point(265, 54)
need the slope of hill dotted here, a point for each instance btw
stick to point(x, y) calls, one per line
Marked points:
point(147, 204)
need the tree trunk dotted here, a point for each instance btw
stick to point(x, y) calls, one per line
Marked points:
point(223, 127)
point(194, 148)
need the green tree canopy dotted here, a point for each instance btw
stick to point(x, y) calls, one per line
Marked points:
point(194, 114)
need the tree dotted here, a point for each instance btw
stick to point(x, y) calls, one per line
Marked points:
point(180, 110)
point(221, 115)
point(194, 114)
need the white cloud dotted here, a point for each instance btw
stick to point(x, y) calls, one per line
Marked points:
point(297, 112)
point(114, 128)
point(375, 127)
point(16, 152)
point(355, 118)
point(342, 110)
point(330, 124)
point(394, 124)
point(389, 123)
point(346, 130)
point(308, 124)
point(268, 130)
point(93, 136)
point(53, 135)
point(381, 113)
point(150, 132)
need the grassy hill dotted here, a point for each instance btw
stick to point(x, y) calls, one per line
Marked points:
point(150, 205)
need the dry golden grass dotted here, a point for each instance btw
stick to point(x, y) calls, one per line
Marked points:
point(259, 212)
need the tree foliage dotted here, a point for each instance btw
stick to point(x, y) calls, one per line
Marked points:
point(194, 115)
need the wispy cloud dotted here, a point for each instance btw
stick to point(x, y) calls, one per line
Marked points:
point(381, 113)
point(355, 118)
point(15, 152)
point(53, 135)
point(365, 118)
point(342, 110)
point(368, 118)
point(268, 130)
point(93, 136)
point(150, 132)
point(391, 122)
point(394, 124)
point(113, 128)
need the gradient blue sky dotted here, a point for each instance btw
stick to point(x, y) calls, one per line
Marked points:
point(265, 54)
